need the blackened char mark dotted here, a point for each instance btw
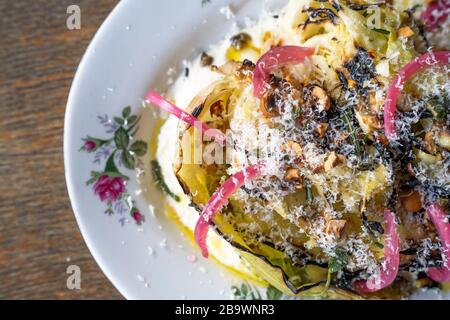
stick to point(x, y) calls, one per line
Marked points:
point(370, 225)
point(197, 110)
point(248, 63)
point(359, 7)
point(336, 5)
point(309, 21)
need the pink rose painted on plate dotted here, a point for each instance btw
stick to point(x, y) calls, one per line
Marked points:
point(90, 146)
point(109, 189)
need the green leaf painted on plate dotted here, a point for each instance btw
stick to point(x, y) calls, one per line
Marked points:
point(139, 148)
point(110, 164)
point(126, 112)
point(121, 138)
point(119, 121)
point(94, 177)
point(128, 160)
point(131, 120)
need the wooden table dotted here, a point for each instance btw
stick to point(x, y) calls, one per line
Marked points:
point(39, 237)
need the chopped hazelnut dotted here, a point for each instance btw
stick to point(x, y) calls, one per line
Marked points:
point(335, 227)
point(351, 83)
point(293, 174)
point(341, 138)
point(430, 145)
point(341, 159)
point(372, 121)
point(294, 146)
point(332, 161)
point(322, 129)
point(405, 32)
point(322, 98)
point(383, 140)
point(317, 168)
point(443, 139)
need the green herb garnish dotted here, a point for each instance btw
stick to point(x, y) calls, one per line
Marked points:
point(158, 177)
point(338, 262)
point(379, 245)
point(352, 133)
point(309, 194)
point(386, 32)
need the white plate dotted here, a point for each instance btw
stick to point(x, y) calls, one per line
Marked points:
point(131, 53)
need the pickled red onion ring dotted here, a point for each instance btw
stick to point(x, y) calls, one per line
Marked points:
point(427, 60)
point(218, 200)
point(440, 221)
point(156, 99)
point(273, 59)
point(390, 265)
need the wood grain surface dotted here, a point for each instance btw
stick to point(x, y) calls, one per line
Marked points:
point(39, 237)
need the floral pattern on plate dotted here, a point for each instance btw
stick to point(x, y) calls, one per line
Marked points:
point(119, 151)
